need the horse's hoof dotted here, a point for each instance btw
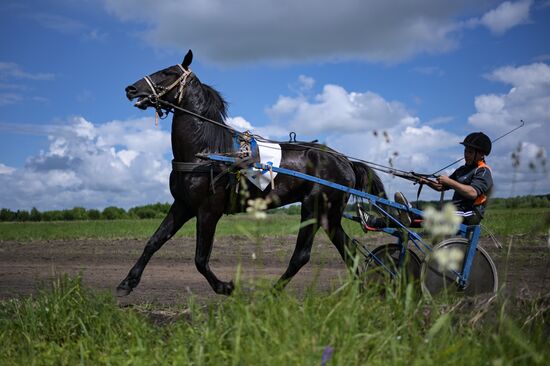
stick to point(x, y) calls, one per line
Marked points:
point(229, 287)
point(123, 289)
point(225, 288)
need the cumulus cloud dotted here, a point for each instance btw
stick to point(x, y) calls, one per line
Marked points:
point(4, 169)
point(119, 163)
point(336, 109)
point(528, 99)
point(239, 123)
point(296, 31)
point(365, 125)
point(506, 16)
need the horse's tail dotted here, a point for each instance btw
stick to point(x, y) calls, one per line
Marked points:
point(367, 179)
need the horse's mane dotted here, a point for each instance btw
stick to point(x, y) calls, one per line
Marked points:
point(216, 138)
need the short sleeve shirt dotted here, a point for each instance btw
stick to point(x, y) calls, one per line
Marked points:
point(479, 178)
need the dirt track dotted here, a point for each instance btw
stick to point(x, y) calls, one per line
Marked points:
point(171, 275)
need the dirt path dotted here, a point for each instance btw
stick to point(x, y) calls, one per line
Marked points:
point(171, 275)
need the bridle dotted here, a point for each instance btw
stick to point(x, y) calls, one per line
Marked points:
point(158, 91)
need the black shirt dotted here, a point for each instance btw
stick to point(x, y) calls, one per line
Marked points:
point(480, 178)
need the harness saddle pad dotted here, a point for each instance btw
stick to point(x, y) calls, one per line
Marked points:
point(270, 154)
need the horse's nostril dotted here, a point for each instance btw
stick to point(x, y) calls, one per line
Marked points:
point(130, 89)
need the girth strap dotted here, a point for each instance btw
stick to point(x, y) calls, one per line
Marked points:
point(184, 167)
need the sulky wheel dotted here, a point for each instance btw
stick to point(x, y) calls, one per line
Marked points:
point(389, 255)
point(483, 274)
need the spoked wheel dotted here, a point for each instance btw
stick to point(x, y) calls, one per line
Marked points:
point(438, 277)
point(388, 254)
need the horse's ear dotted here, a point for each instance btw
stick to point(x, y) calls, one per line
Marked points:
point(187, 59)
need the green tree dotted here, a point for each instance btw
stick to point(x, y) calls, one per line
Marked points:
point(35, 215)
point(113, 213)
point(7, 215)
point(94, 214)
point(22, 215)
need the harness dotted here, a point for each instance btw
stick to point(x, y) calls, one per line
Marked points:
point(159, 91)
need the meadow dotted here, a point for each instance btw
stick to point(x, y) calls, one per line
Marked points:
point(501, 221)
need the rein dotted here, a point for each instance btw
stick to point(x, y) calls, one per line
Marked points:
point(412, 176)
point(160, 105)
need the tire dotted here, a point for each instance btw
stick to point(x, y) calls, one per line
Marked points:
point(389, 255)
point(483, 276)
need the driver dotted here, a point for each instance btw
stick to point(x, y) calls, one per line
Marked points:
point(472, 183)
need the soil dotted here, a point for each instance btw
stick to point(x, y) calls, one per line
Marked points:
point(171, 276)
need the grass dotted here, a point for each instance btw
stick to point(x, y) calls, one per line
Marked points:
point(532, 221)
point(69, 324)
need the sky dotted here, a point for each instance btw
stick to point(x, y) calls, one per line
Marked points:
point(397, 83)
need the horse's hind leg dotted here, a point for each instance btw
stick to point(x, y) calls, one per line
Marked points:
point(173, 221)
point(304, 243)
point(342, 242)
point(337, 235)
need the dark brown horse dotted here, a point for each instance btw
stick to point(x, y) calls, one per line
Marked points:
point(195, 196)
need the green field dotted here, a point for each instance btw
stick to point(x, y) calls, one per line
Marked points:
point(520, 221)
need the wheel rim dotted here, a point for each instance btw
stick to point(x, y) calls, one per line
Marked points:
point(483, 275)
point(389, 255)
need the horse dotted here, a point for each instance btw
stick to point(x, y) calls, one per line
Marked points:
point(198, 127)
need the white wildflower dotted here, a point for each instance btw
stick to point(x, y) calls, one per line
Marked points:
point(449, 258)
point(441, 223)
point(257, 207)
point(253, 256)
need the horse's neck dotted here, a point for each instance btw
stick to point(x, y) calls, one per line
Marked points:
point(183, 136)
point(191, 136)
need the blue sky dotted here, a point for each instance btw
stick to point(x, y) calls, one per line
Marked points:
point(426, 72)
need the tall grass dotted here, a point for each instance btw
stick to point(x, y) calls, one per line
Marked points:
point(69, 324)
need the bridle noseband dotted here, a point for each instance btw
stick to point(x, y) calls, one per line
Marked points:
point(158, 91)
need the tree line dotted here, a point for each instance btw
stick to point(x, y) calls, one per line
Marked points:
point(159, 210)
point(153, 211)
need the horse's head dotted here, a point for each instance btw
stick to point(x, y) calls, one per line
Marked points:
point(168, 84)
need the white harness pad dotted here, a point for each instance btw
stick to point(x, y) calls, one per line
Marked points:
point(270, 154)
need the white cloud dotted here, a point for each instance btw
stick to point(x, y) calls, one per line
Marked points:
point(365, 125)
point(4, 169)
point(336, 109)
point(305, 82)
point(10, 70)
point(119, 163)
point(295, 31)
point(239, 123)
point(527, 75)
point(507, 15)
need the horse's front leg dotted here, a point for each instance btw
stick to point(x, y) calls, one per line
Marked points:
point(174, 220)
point(207, 219)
